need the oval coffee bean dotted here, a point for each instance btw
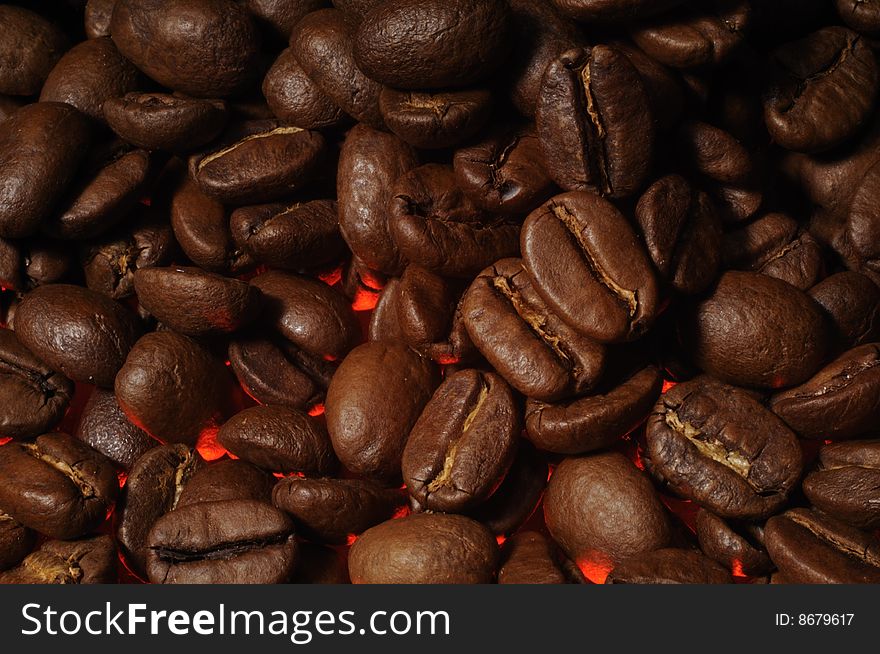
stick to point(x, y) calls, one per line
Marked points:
point(435, 120)
point(204, 48)
point(384, 322)
point(758, 331)
point(104, 426)
point(590, 267)
point(171, 387)
point(846, 484)
point(425, 549)
point(56, 485)
point(601, 509)
point(717, 445)
point(375, 398)
point(861, 16)
point(333, 510)
point(33, 398)
point(740, 549)
point(528, 558)
point(669, 566)
point(29, 48)
point(295, 99)
point(463, 443)
point(16, 541)
point(194, 302)
point(229, 542)
point(87, 561)
point(76, 331)
point(593, 422)
point(227, 479)
point(851, 301)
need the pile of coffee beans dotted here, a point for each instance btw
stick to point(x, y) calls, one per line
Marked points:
point(440, 291)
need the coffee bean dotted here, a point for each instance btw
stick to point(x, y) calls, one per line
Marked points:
point(295, 98)
point(278, 17)
point(104, 427)
point(97, 17)
point(227, 479)
point(717, 445)
point(227, 542)
point(425, 549)
point(435, 120)
point(851, 301)
point(738, 548)
point(29, 48)
point(669, 566)
point(384, 322)
point(528, 558)
point(845, 485)
point(612, 10)
point(861, 16)
point(16, 541)
point(89, 561)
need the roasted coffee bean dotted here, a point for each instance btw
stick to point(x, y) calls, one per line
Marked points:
point(755, 330)
point(260, 162)
point(435, 224)
point(717, 445)
point(318, 564)
point(290, 237)
point(277, 372)
point(739, 548)
point(811, 548)
point(463, 443)
point(702, 34)
point(227, 479)
point(47, 262)
point(601, 510)
point(524, 340)
point(171, 387)
point(204, 48)
point(97, 18)
point(612, 10)
point(42, 145)
point(158, 121)
point(11, 265)
point(88, 75)
point(505, 173)
point(682, 232)
point(669, 566)
point(823, 90)
point(295, 98)
point(76, 331)
point(56, 485)
point(310, 314)
point(840, 401)
point(418, 44)
point(154, 486)
point(590, 267)
point(228, 542)
point(663, 86)
point(861, 16)
point(16, 541)
point(435, 120)
point(29, 48)
point(846, 484)
point(852, 304)
point(104, 427)
point(280, 439)
point(356, 9)
point(425, 549)
point(88, 561)
point(528, 558)
point(594, 122)
point(593, 422)
point(715, 154)
point(375, 398)
point(33, 398)
point(194, 302)
point(278, 17)
point(384, 322)
point(333, 510)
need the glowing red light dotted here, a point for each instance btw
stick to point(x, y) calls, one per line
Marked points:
point(669, 384)
point(448, 360)
point(365, 300)
point(208, 446)
point(282, 475)
point(123, 477)
point(228, 363)
point(500, 538)
point(351, 539)
point(331, 278)
point(738, 568)
point(828, 442)
point(596, 571)
point(4, 440)
point(402, 512)
point(317, 410)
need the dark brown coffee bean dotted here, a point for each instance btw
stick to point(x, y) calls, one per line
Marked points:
point(333, 510)
point(310, 314)
point(811, 548)
point(715, 154)
point(88, 561)
point(757, 331)
point(16, 541)
point(861, 16)
point(419, 44)
point(104, 427)
point(593, 422)
point(41, 146)
point(229, 542)
point(153, 488)
point(163, 370)
point(323, 44)
point(852, 303)
point(97, 18)
point(356, 9)
point(375, 398)
point(278, 17)
point(682, 232)
point(294, 97)
point(435, 120)
point(260, 162)
point(823, 90)
point(425, 549)
point(76, 331)
point(227, 479)
point(590, 268)
point(47, 262)
point(463, 443)
point(612, 10)
point(159, 121)
point(29, 48)
point(384, 322)
point(528, 558)
point(11, 265)
point(717, 445)
point(594, 122)
point(739, 549)
point(88, 75)
point(33, 398)
point(846, 484)
point(56, 485)
point(504, 173)
point(840, 401)
point(601, 510)
point(318, 564)
point(204, 48)
point(669, 566)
